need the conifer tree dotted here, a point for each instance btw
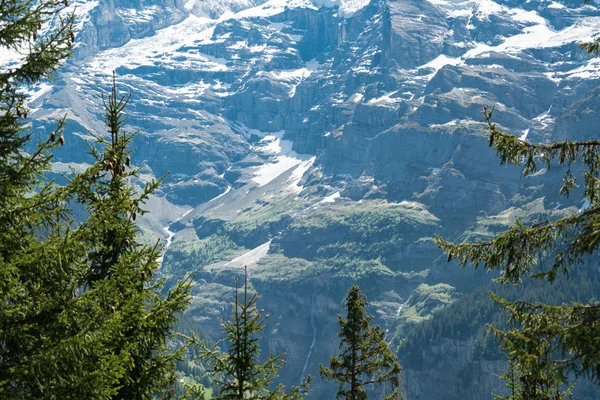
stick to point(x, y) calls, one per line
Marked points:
point(511, 376)
point(38, 256)
point(130, 309)
point(548, 341)
point(365, 358)
point(523, 385)
point(238, 372)
point(80, 317)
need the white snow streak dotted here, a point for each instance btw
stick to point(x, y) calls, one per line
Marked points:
point(331, 198)
point(251, 258)
point(222, 194)
point(283, 158)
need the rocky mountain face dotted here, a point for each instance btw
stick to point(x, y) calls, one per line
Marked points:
point(325, 142)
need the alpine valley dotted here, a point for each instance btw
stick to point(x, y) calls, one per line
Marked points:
point(323, 143)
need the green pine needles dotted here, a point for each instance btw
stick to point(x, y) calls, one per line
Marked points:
point(80, 315)
point(237, 372)
point(567, 240)
point(365, 357)
point(550, 342)
point(526, 385)
point(118, 283)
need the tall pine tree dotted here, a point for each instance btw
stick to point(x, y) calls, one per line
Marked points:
point(238, 372)
point(39, 259)
point(80, 317)
point(365, 358)
point(122, 303)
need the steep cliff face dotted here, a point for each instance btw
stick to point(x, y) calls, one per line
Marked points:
point(325, 143)
point(469, 379)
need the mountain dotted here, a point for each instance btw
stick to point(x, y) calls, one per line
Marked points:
point(323, 143)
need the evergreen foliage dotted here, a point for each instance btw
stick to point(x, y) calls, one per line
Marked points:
point(38, 256)
point(130, 307)
point(80, 317)
point(524, 385)
point(365, 358)
point(549, 341)
point(238, 372)
point(468, 316)
point(513, 383)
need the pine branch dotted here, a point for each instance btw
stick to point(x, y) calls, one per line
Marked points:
point(515, 251)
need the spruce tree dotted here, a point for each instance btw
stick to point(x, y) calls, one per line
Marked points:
point(39, 259)
point(511, 376)
point(523, 385)
point(238, 372)
point(129, 309)
point(550, 342)
point(365, 357)
point(80, 317)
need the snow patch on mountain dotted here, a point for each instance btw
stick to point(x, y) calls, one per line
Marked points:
point(286, 74)
point(162, 48)
point(299, 173)
point(347, 8)
point(384, 100)
point(191, 90)
point(439, 62)
point(245, 131)
point(251, 258)
point(222, 194)
point(137, 16)
point(268, 9)
point(331, 198)
point(283, 158)
point(483, 9)
point(538, 34)
point(589, 70)
point(216, 7)
point(542, 36)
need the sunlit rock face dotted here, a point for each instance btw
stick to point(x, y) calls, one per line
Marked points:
point(325, 143)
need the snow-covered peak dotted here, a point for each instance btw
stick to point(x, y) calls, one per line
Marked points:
point(347, 8)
